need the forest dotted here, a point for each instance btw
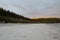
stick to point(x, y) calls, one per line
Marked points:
point(10, 17)
point(7, 16)
point(46, 20)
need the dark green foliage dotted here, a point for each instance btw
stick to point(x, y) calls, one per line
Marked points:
point(10, 17)
point(9, 14)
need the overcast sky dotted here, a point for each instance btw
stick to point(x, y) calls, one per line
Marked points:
point(33, 8)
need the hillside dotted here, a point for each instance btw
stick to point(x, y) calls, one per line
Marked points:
point(9, 17)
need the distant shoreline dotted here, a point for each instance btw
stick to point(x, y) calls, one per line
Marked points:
point(10, 17)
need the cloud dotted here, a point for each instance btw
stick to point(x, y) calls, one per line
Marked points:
point(33, 8)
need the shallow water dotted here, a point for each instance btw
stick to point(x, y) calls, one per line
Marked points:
point(30, 31)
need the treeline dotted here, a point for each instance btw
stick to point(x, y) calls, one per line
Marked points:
point(46, 20)
point(11, 17)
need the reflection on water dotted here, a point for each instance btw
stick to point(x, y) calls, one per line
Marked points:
point(30, 31)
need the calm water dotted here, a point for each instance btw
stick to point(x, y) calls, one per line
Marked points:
point(30, 31)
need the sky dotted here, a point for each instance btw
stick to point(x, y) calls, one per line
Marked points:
point(33, 8)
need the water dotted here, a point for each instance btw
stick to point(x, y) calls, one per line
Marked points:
point(30, 31)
